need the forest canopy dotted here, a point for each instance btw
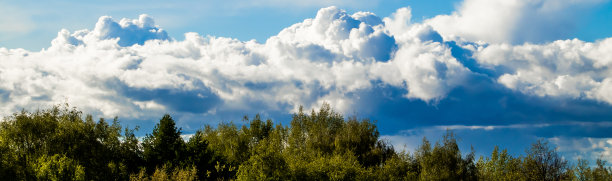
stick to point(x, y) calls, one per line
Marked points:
point(61, 143)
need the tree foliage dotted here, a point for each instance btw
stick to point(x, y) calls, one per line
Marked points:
point(62, 144)
point(164, 146)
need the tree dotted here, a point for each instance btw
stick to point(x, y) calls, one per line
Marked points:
point(229, 147)
point(601, 172)
point(62, 144)
point(401, 166)
point(58, 167)
point(544, 163)
point(500, 166)
point(131, 153)
point(199, 156)
point(582, 171)
point(444, 161)
point(26, 136)
point(164, 145)
point(267, 161)
point(165, 173)
point(362, 139)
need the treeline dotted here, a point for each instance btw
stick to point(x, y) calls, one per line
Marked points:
point(60, 144)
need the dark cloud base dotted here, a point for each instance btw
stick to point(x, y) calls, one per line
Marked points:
point(483, 102)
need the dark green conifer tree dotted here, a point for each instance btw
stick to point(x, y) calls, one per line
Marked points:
point(164, 145)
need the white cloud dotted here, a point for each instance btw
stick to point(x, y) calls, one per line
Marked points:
point(359, 36)
point(585, 148)
point(132, 68)
point(403, 143)
point(566, 68)
point(512, 21)
point(520, 126)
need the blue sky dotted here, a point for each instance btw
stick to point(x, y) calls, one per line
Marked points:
point(259, 20)
point(38, 22)
point(496, 72)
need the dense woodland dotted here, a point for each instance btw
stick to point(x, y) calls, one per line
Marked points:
point(62, 144)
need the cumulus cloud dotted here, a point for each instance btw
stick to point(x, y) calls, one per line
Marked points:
point(564, 68)
point(327, 58)
point(356, 62)
point(416, 76)
point(513, 21)
point(131, 68)
point(128, 32)
point(359, 36)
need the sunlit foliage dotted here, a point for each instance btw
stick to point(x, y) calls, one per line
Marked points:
point(62, 144)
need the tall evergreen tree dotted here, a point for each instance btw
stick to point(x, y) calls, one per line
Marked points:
point(164, 145)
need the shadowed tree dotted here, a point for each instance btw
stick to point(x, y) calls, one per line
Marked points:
point(61, 144)
point(199, 156)
point(164, 145)
point(544, 163)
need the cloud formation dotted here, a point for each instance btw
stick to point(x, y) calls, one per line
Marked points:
point(120, 68)
point(585, 148)
point(408, 74)
point(568, 68)
point(513, 21)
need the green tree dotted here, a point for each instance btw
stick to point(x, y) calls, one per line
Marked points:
point(131, 151)
point(25, 137)
point(582, 171)
point(58, 167)
point(267, 161)
point(199, 155)
point(165, 173)
point(362, 139)
point(544, 163)
point(601, 172)
point(229, 147)
point(500, 166)
point(401, 166)
point(444, 161)
point(62, 144)
point(164, 145)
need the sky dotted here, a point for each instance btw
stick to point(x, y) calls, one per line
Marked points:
point(496, 72)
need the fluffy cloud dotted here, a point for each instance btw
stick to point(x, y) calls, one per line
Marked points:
point(512, 21)
point(408, 74)
point(131, 68)
point(585, 148)
point(566, 68)
point(127, 32)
